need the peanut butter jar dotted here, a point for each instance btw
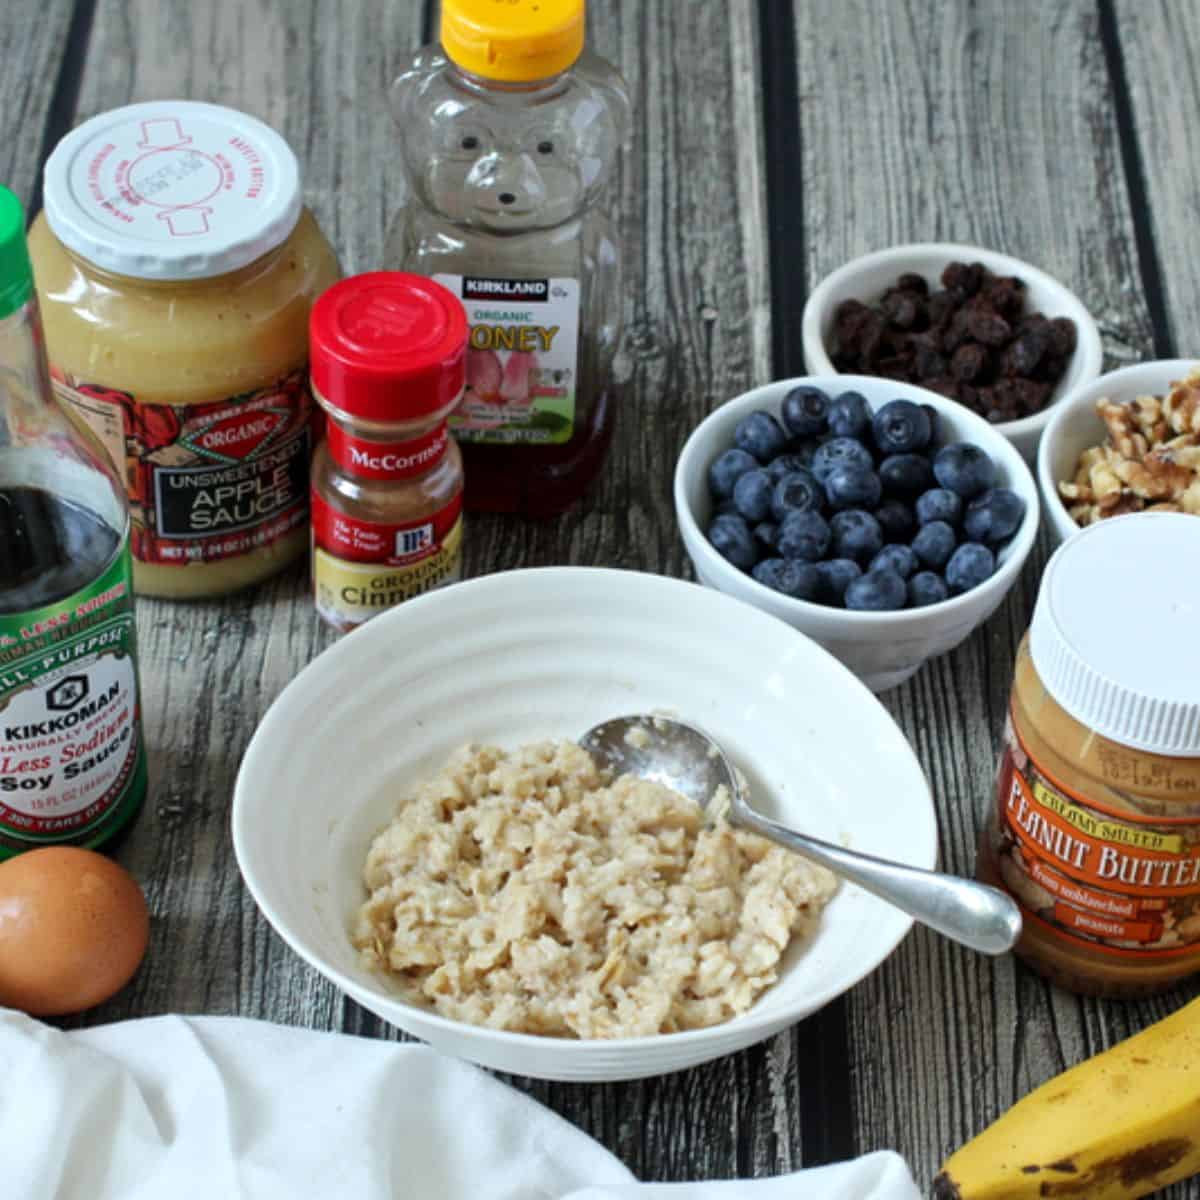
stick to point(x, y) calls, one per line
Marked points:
point(1095, 824)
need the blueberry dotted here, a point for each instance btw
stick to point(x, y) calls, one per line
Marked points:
point(939, 504)
point(994, 516)
point(797, 491)
point(785, 464)
point(849, 415)
point(963, 468)
point(731, 538)
point(851, 486)
point(856, 535)
point(926, 587)
point(877, 591)
point(798, 579)
point(752, 495)
point(897, 520)
point(726, 469)
point(934, 423)
point(805, 411)
point(968, 567)
point(934, 544)
point(804, 535)
point(900, 559)
point(838, 452)
point(836, 576)
point(766, 535)
point(758, 433)
point(905, 474)
point(900, 427)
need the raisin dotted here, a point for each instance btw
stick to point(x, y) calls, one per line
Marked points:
point(930, 362)
point(901, 309)
point(969, 361)
point(987, 326)
point(941, 307)
point(1062, 337)
point(1025, 352)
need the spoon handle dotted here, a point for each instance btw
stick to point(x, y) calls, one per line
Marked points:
point(975, 914)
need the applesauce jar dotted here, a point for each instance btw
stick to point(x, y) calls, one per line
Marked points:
point(176, 267)
point(1095, 828)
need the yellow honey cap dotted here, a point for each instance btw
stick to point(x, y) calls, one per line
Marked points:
point(514, 41)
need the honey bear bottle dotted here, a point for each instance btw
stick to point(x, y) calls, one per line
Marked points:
point(510, 130)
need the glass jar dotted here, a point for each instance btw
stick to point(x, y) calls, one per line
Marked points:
point(72, 757)
point(1095, 828)
point(176, 268)
point(388, 364)
point(510, 132)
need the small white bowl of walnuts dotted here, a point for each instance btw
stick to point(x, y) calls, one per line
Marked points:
point(1127, 442)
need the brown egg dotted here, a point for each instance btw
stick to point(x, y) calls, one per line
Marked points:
point(73, 929)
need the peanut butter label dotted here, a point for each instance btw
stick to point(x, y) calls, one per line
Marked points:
point(360, 568)
point(1123, 883)
point(205, 481)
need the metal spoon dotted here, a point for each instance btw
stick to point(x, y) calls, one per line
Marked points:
point(681, 757)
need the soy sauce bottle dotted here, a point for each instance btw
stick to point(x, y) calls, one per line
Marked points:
point(72, 758)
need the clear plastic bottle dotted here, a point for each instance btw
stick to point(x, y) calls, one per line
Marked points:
point(72, 759)
point(510, 131)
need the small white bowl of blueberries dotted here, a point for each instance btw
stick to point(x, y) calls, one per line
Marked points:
point(884, 521)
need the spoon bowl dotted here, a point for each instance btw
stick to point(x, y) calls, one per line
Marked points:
point(682, 757)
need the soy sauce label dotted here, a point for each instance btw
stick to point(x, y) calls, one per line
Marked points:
point(205, 481)
point(71, 752)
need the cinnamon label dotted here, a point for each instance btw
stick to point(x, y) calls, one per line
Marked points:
point(362, 567)
point(1123, 882)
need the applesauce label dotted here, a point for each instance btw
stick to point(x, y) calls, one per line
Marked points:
point(71, 751)
point(1120, 882)
point(205, 481)
point(361, 568)
point(522, 359)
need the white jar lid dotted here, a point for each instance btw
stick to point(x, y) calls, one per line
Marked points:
point(172, 189)
point(1115, 636)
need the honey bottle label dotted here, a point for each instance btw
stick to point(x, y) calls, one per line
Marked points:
point(1125, 883)
point(522, 359)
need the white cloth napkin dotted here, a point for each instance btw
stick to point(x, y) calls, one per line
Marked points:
point(202, 1107)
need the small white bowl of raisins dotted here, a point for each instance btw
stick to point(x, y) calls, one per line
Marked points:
point(884, 521)
point(995, 334)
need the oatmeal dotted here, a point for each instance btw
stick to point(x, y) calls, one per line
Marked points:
point(524, 891)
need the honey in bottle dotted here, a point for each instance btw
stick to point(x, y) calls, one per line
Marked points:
point(510, 131)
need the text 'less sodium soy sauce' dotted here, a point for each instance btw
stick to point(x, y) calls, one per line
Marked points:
point(49, 548)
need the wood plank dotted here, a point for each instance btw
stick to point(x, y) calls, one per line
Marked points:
point(35, 34)
point(986, 124)
point(317, 72)
point(1156, 48)
point(697, 307)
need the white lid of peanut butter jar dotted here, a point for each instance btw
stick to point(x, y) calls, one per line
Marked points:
point(172, 190)
point(1114, 633)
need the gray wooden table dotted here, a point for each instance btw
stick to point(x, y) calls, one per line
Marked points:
point(772, 142)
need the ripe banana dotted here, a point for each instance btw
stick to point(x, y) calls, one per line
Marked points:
point(1118, 1126)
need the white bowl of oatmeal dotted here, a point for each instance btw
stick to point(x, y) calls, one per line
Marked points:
point(531, 658)
point(1079, 448)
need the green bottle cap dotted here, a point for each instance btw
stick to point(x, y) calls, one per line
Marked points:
point(16, 273)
